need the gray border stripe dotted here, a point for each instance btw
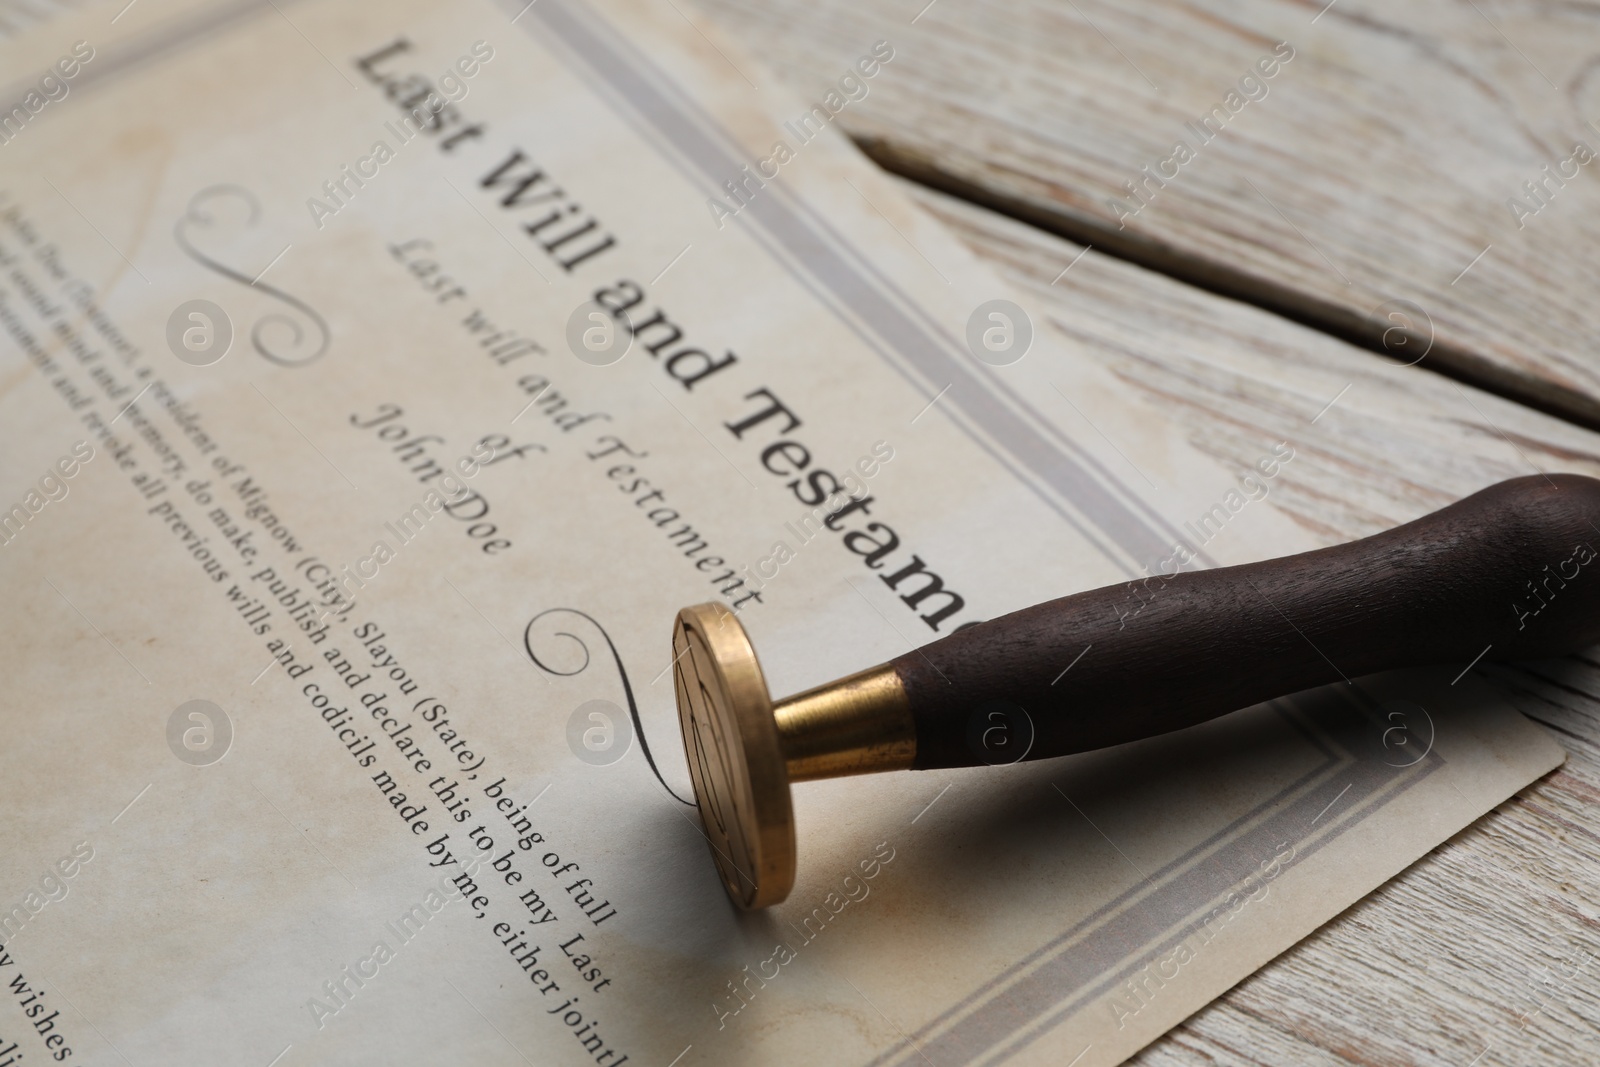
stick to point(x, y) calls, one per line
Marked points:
point(930, 351)
point(1084, 963)
point(994, 381)
point(1332, 759)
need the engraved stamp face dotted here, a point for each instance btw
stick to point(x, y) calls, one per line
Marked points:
point(712, 766)
point(735, 761)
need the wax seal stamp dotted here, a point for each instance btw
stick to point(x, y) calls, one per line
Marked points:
point(1453, 588)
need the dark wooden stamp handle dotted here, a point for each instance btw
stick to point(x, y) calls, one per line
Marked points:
point(1510, 573)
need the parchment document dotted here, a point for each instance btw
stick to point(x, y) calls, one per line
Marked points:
point(377, 381)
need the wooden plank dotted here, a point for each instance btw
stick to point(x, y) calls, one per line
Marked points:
point(1377, 167)
point(1493, 940)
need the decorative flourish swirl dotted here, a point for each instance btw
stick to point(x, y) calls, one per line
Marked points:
point(622, 672)
point(291, 356)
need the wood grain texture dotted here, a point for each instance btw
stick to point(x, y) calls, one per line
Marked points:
point(1377, 167)
point(1486, 951)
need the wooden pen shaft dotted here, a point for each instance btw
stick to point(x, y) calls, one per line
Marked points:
point(1509, 573)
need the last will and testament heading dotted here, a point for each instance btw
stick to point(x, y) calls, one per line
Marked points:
point(576, 240)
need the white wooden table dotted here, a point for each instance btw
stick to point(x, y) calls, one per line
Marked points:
point(1253, 289)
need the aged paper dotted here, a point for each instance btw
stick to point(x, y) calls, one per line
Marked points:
point(355, 466)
